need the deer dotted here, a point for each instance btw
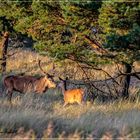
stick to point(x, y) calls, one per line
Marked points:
point(27, 84)
point(71, 96)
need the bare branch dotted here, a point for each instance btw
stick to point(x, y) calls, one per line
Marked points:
point(90, 81)
point(8, 56)
point(95, 68)
point(131, 74)
point(137, 76)
point(108, 87)
point(95, 45)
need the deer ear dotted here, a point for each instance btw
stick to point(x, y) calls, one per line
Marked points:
point(61, 79)
point(67, 78)
point(50, 76)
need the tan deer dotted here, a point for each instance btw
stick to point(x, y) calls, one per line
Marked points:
point(71, 95)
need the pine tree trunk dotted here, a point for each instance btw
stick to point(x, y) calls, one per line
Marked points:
point(126, 81)
point(4, 47)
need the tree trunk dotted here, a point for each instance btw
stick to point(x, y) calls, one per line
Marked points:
point(4, 47)
point(126, 81)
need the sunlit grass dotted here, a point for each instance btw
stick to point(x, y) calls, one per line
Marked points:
point(43, 116)
point(37, 111)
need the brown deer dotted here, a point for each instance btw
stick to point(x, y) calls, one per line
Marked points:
point(71, 95)
point(24, 84)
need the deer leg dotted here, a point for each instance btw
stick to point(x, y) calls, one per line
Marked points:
point(80, 103)
point(4, 93)
point(65, 104)
point(9, 93)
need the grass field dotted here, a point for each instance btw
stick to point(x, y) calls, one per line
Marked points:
point(34, 116)
point(43, 116)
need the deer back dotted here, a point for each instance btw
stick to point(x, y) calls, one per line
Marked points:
point(74, 95)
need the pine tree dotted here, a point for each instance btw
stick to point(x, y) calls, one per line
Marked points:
point(121, 34)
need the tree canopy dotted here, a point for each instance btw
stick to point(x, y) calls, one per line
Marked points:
point(121, 29)
point(92, 32)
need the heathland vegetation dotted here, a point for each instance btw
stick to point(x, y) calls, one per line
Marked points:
point(93, 46)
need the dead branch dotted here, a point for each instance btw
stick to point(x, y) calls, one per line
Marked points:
point(8, 56)
point(90, 81)
point(95, 68)
point(107, 85)
point(95, 45)
point(136, 75)
point(131, 74)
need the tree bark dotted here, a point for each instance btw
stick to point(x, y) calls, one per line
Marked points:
point(126, 81)
point(4, 47)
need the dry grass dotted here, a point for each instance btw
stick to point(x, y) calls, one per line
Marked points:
point(32, 116)
point(44, 116)
point(26, 60)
